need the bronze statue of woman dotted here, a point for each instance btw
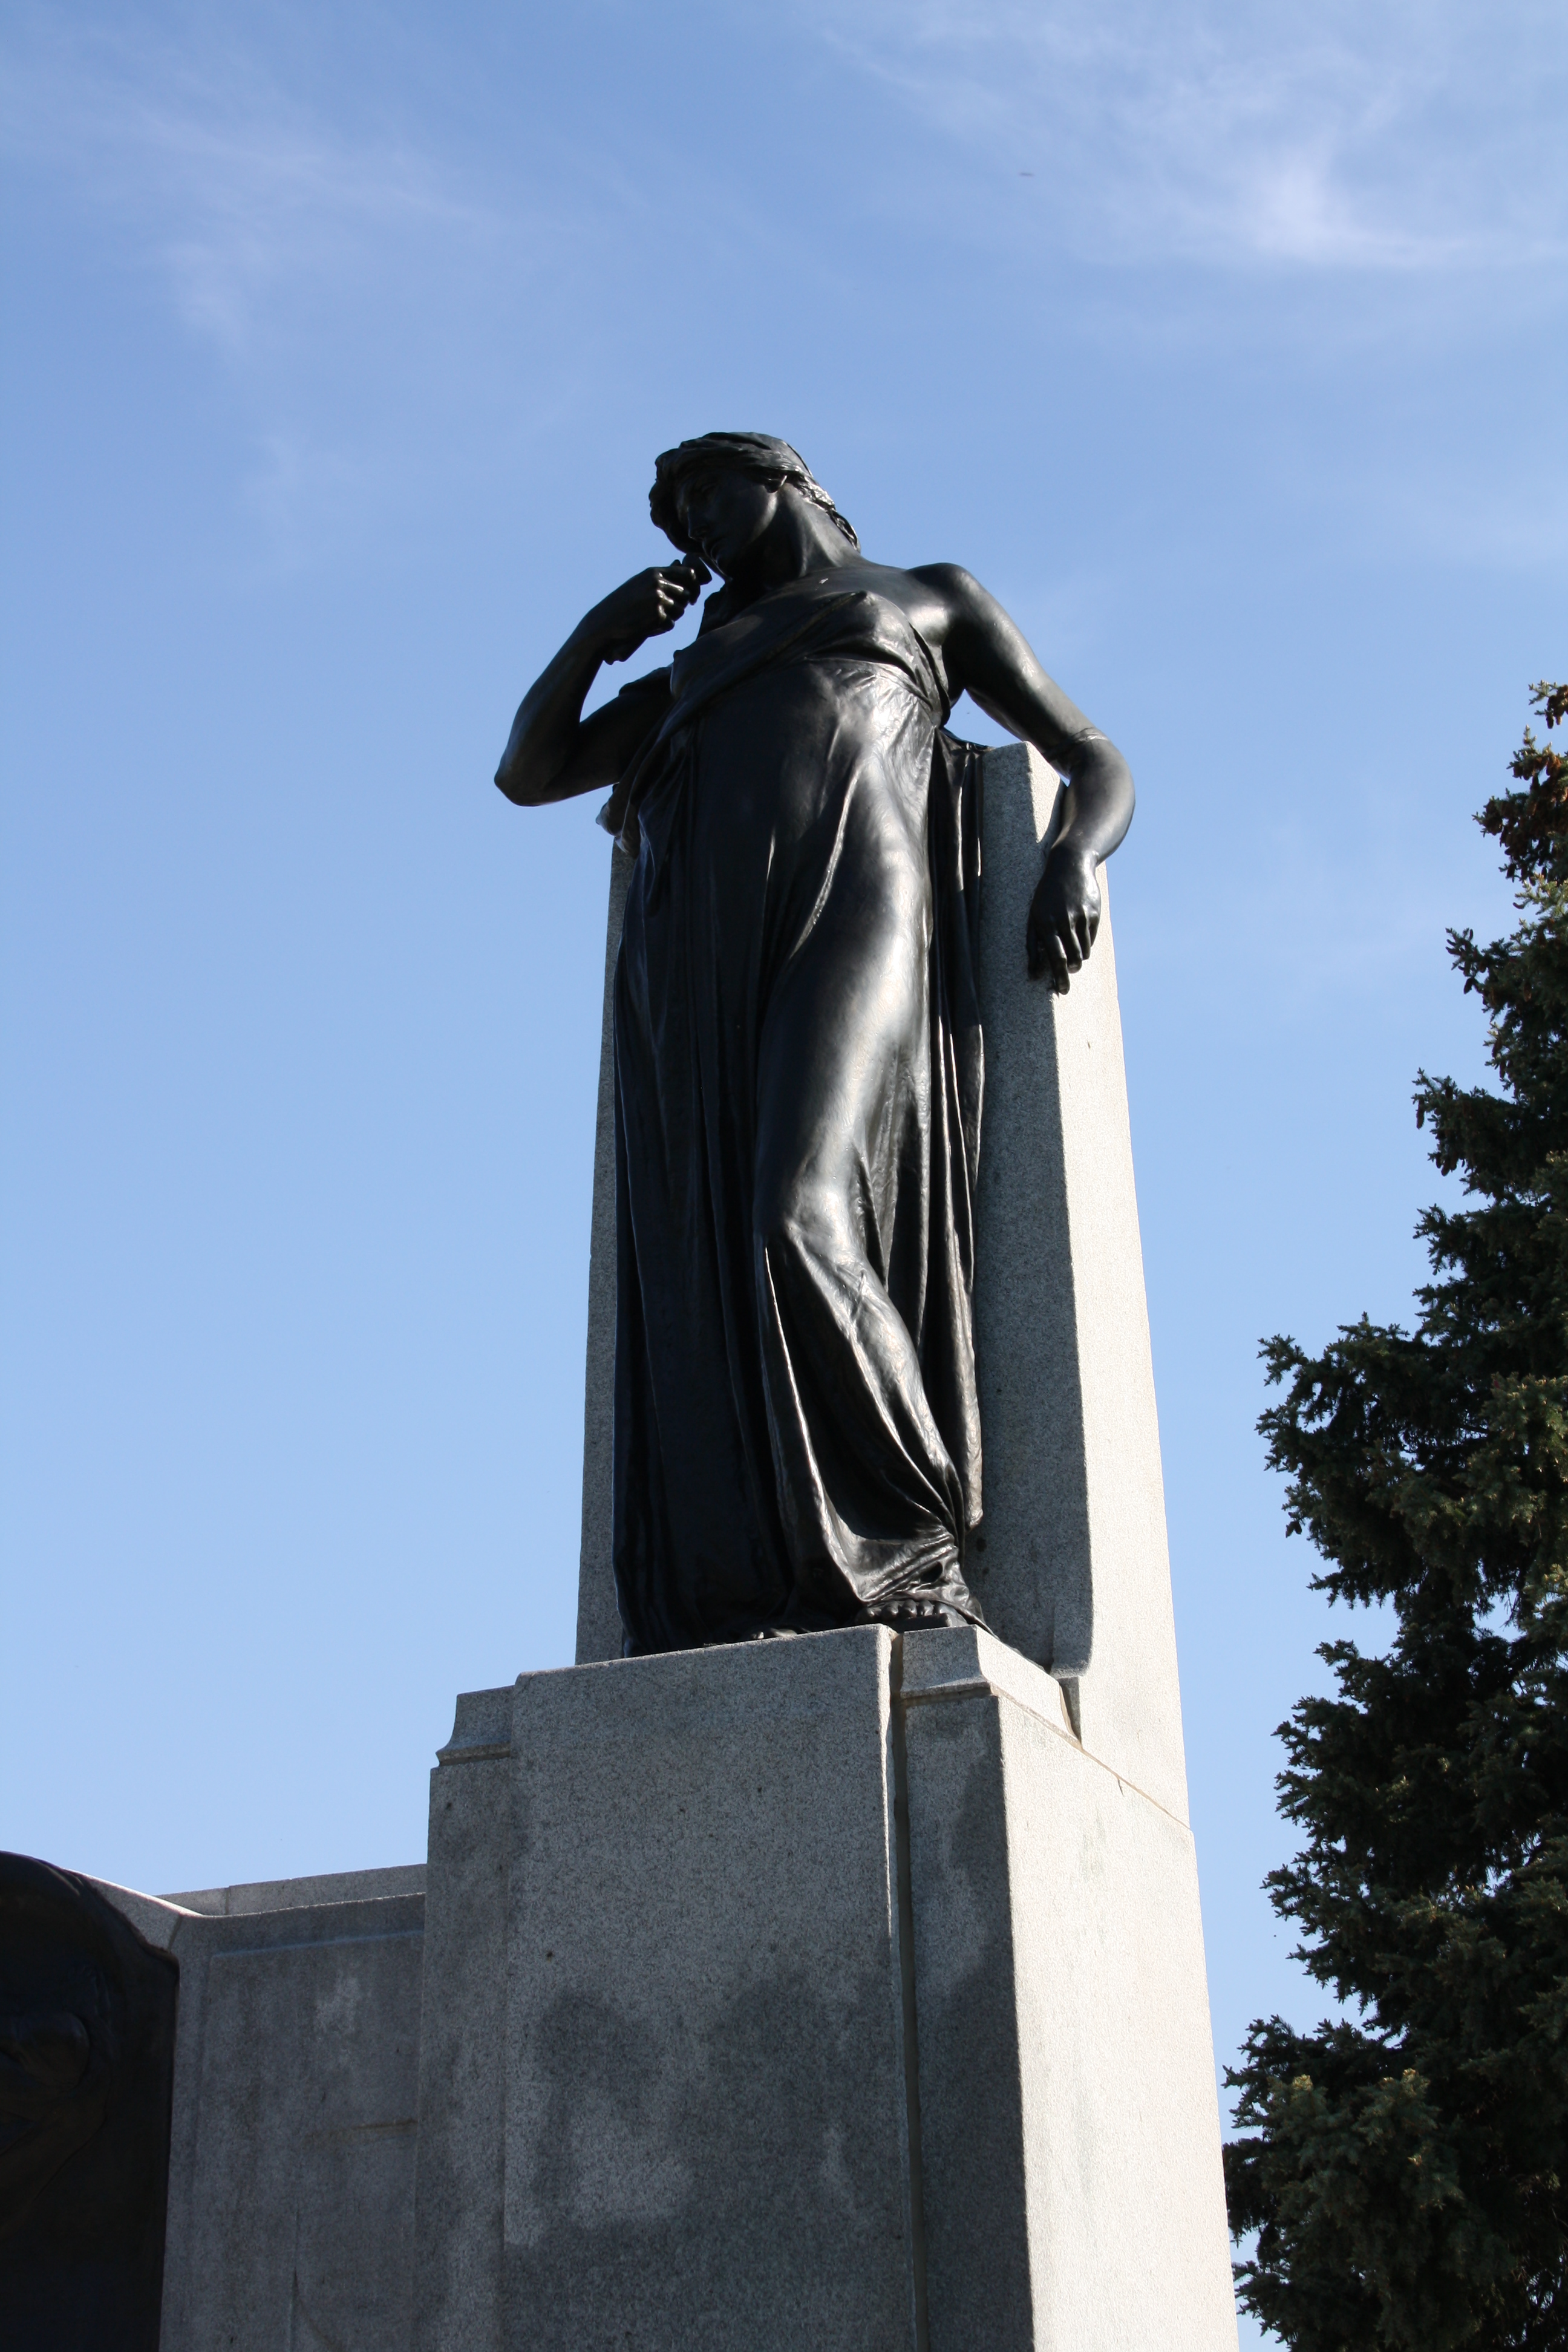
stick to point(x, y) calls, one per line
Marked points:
point(798, 1045)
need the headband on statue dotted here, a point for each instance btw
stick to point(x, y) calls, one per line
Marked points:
point(756, 454)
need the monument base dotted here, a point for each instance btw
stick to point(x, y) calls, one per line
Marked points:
point(295, 2125)
point(824, 1993)
point(820, 1992)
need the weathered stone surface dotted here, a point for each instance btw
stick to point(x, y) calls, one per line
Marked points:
point(296, 2078)
point(462, 2059)
point(598, 1618)
point(1076, 1570)
point(155, 1916)
point(735, 1880)
point(825, 1991)
point(303, 1894)
point(705, 2096)
point(1070, 2123)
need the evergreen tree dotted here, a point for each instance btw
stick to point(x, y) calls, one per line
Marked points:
point(1407, 2173)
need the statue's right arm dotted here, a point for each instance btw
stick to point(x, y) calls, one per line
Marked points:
point(553, 751)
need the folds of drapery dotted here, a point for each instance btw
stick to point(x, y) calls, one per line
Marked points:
point(799, 1079)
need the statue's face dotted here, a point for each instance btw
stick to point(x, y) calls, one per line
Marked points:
point(725, 513)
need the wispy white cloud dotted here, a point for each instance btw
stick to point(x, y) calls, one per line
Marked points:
point(1391, 134)
point(342, 275)
point(265, 202)
point(410, 293)
point(228, 185)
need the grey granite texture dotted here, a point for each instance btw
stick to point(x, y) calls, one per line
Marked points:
point(598, 1619)
point(303, 1894)
point(706, 2121)
point(1070, 1565)
point(827, 1991)
point(295, 2122)
point(1074, 1572)
point(458, 2217)
point(1029, 1561)
point(824, 1993)
point(158, 1917)
point(1069, 2121)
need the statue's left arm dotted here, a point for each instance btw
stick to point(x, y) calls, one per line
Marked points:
point(988, 657)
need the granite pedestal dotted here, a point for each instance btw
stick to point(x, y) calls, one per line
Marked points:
point(823, 1992)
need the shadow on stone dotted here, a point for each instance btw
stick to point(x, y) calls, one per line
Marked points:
point(755, 2174)
point(971, 2096)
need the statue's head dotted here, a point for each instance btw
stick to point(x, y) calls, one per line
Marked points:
point(712, 496)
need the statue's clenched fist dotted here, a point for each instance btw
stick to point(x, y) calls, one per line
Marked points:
point(647, 605)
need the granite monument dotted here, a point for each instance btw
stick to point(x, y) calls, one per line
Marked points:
point(818, 1961)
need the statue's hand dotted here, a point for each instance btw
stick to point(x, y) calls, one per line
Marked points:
point(645, 606)
point(1064, 917)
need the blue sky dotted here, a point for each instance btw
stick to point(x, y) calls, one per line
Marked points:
point(1224, 342)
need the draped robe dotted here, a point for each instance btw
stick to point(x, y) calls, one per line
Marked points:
point(798, 1071)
